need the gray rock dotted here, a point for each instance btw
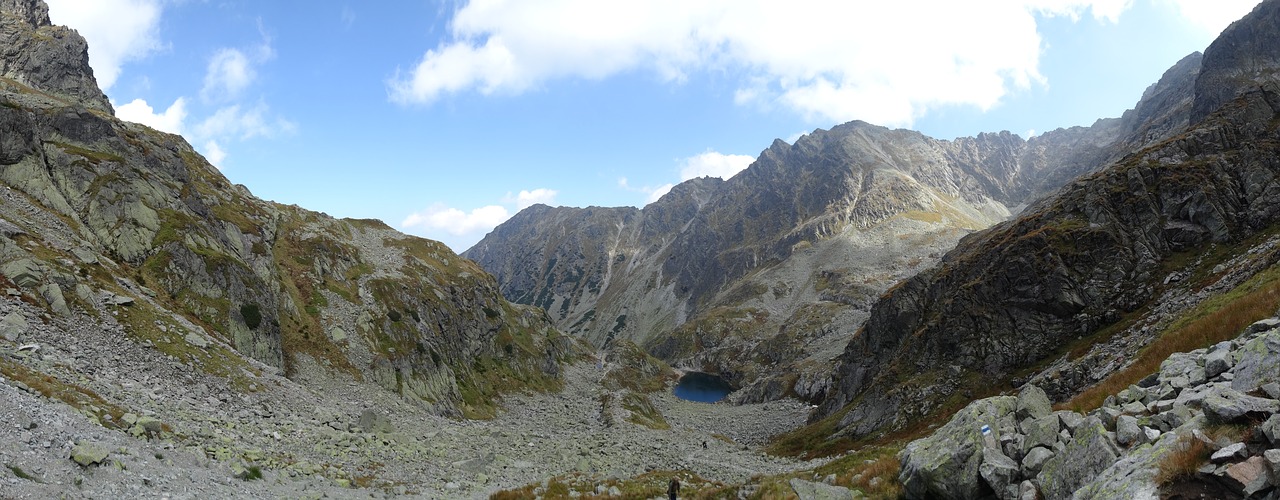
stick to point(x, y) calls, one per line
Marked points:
point(1134, 408)
point(1218, 360)
point(337, 334)
point(1228, 453)
point(1177, 365)
point(1226, 405)
point(1150, 434)
point(1033, 403)
point(372, 421)
point(87, 454)
point(1042, 431)
point(1272, 457)
point(1127, 431)
point(1034, 460)
point(1271, 429)
point(1027, 491)
point(945, 464)
point(52, 294)
point(1262, 326)
point(1257, 363)
point(1070, 419)
point(1130, 477)
point(13, 326)
point(196, 340)
point(1000, 472)
point(26, 273)
point(809, 490)
point(1271, 389)
point(1089, 453)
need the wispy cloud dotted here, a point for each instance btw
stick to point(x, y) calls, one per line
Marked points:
point(852, 61)
point(460, 228)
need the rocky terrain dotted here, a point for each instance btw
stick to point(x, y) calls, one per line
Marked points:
point(164, 333)
point(1207, 423)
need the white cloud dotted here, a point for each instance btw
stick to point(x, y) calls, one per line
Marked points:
point(229, 73)
point(659, 192)
point(713, 164)
point(169, 121)
point(118, 31)
point(526, 199)
point(1213, 16)
point(214, 153)
point(243, 123)
point(855, 60)
point(455, 221)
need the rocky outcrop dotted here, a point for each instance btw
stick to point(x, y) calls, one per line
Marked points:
point(46, 58)
point(1016, 294)
point(1243, 58)
point(101, 214)
point(1116, 451)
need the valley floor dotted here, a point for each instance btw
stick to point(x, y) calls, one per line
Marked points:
point(307, 439)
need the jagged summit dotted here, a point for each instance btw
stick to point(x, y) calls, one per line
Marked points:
point(47, 58)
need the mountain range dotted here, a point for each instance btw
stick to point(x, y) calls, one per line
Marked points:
point(856, 287)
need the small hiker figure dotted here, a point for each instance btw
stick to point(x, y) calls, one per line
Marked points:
point(674, 490)
point(704, 445)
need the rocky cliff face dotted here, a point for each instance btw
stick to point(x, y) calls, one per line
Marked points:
point(104, 213)
point(769, 272)
point(49, 58)
point(1099, 252)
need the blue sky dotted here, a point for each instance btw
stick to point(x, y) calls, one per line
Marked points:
point(445, 118)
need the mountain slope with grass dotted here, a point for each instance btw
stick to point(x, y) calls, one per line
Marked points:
point(106, 217)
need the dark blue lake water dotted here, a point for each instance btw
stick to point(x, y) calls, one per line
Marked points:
point(702, 387)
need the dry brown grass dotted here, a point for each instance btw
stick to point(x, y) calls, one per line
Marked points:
point(1183, 461)
point(883, 472)
point(1218, 319)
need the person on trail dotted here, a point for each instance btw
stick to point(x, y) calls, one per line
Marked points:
point(674, 489)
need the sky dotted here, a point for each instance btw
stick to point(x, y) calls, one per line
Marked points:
point(444, 119)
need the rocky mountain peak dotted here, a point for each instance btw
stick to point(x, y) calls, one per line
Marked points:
point(50, 60)
point(34, 12)
point(1245, 56)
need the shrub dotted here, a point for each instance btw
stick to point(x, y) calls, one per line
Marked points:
point(394, 315)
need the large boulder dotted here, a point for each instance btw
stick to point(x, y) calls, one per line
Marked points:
point(946, 464)
point(1224, 405)
point(1133, 476)
point(1258, 362)
point(1090, 452)
point(1033, 403)
point(1000, 473)
point(809, 490)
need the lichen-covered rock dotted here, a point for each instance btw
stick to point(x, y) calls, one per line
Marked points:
point(1000, 472)
point(1131, 477)
point(1033, 403)
point(1034, 460)
point(810, 490)
point(1224, 405)
point(1218, 360)
point(13, 326)
point(1041, 431)
point(1127, 431)
point(946, 464)
point(1090, 452)
point(87, 454)
point(1258, 362)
